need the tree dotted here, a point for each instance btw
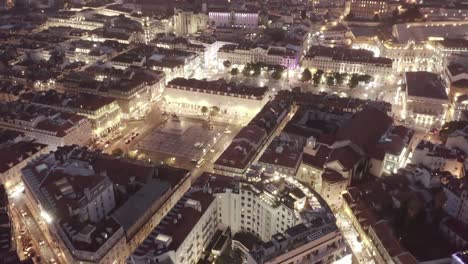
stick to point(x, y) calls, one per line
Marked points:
point(227, 63)
point(117, 152)
point(339, 77)
point(376, 18)
point(214, 111)
point(365, 78)
point(276, 34)
point(234, 71)
point(330, 80)
point(411, 14)
point(306, 75)
point(204, 110)
point(349, 16)
point(276, 75)
point(354, 81)
point(395, 14)
point(318, 77)
point(449, 127)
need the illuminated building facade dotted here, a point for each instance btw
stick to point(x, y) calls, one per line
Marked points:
point(368, 8)
point(239, 54)
point(226, 18)
point(426, 98)
point(238, 103)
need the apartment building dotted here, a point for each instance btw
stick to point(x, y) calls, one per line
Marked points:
point(17, 151)
point(48, 126)
point(103, 112)
point(236, 102)
point(134, 88)
point(233, 18)
point(119, 201)
point(426, 98)
point(241, 54)
point(218, 206)
point(439, 157)
point(347, 60)
point(368, 8)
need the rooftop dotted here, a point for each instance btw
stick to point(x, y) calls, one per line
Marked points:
point(425, 84)
point(139, 204)
point(31, 116)
point(70, 101)
point(220, 86)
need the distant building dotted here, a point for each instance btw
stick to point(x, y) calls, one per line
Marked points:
point(426, 98)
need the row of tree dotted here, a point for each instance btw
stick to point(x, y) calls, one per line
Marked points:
point(255, 69)
point(335, 78)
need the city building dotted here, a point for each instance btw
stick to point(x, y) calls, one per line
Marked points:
point(241, 54)
point(425, 98)
point(369, 205)
point(291, 223)
point(17, 151)
point(283, 155)
point(423, 32)
point(456, 203)
point(47, 126)
point(97, 208)
point(368, 9)
point(104, 113)
point(347, 60)
point(239, 155)
point(135, 89)
point(181, 43)
point(456, 75)
point(392, 151)
point(233, 18)
point(236, 102)
point(8, 248)
point(439, 157)
point(331, 161)
point(174, 63)
point(188, 22)
point(91, 52)
point(336, 35)
point(10, 91)
point(458, 139)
